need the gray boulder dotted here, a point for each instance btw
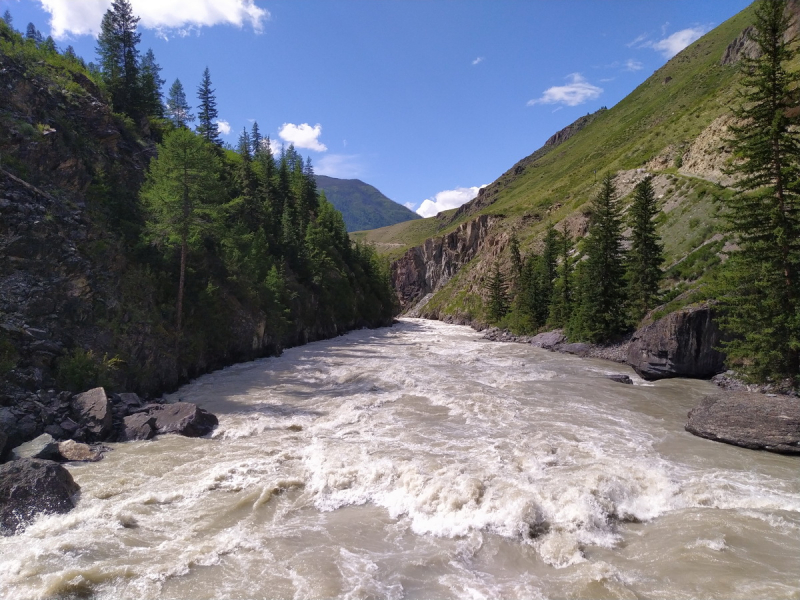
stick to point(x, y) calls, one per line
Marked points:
point(750, 420)
point(139, 426)
point(682, 344)
point(620, 378)
point(77, 452)
point(548, 340)
point(43, 446)
point(29, 487)
point(92, 410)
point(183, 418)
point(578, 348)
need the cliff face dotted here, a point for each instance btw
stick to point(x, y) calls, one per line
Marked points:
point(424, 269)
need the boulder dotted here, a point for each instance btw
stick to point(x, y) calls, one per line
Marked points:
point(578, 349)
point(548, 340)
point(750, 420)
point(183, 418)
point(140, 426)
point(681, 344)
point(129, 401)
point(31, 486)
point(43, 446)
point(92, 410)
point(75, 451)
point(620, 378)
point(3, 440)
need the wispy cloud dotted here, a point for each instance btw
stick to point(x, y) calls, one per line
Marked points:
point(576, 92)
point(345, 166)
point(633, 65)
point(478, 60)
point(82, 17)
point(672, 44)
point(224, 127)
point(446, 200)
point(637, 40)
point(303, 136)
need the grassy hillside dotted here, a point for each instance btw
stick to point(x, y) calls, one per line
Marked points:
point(362, 205)
point(674, 115)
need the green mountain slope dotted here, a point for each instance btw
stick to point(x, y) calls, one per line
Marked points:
point(362, 205)
point(671, 126)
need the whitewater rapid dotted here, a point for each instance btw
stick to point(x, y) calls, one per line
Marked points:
point(421, 461)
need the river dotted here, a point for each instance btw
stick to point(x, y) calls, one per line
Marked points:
point(421, 461)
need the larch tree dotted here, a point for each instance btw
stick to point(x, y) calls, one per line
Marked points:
point(207, 111)
point(178, 109)
point(645, 257)
point(119, 57)
point(179, 196)
point(760, 292)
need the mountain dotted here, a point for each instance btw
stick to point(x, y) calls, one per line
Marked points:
point(673, 126)
point(362, 205)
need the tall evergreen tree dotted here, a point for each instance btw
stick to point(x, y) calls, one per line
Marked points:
point(119, 56)
point(31, 33)
point(601, 312)
point(760, 291)
point(562, 303)
point(645, 257)
point(498, 295)
point(255, 138)
point(207, 111)
point(179, 195)
point(8, 18)
point(177, 106)
point(150, 84)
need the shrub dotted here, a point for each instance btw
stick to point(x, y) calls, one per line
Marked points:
point(81, 370)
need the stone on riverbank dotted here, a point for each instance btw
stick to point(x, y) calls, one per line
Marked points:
point(183, 418)
point(92, 410)
point(750, 420)
point(43, 446)
point(77, 452)
point(548, 340)
point(139, 426)
point(681, 344)
point(29, 487)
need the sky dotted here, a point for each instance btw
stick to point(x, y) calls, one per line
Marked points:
point(427, 100)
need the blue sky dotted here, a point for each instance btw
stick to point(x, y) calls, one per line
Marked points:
point(426, 100)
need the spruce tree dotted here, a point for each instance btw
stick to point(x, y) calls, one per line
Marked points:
point(207, 111)
point(177, 106)
point(150, 84)
point(255, 138)
point(645, 257)
point(8, 18)
point(179, 196)
point(601, 312)
point(31, 33)
point(516, 259)
point(119, 57)
point(562, 303)
point(498, 295)
point(760, 292)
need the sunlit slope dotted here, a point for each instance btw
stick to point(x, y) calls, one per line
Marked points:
point(669, 110)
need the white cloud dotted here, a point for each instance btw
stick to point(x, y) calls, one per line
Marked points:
point(303, 136)
point(224, 127)
point(671, 45)
point(81, 17)
point(344, 166)
point(409, 205)
point(478, 60)
point(638, 40)
point(633, 65)
point(446, 200)
point(574, 93)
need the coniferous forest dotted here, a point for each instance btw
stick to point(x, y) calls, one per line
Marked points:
point(211, 254)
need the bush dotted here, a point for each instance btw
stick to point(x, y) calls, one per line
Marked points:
point(81, 370)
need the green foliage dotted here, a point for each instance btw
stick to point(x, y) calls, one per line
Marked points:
point(645, 257)
point(119, 57)
point(600, 310)
point(207, 111)
point(498, 305)
point(562, 299)
point(178, 109)
point(81, 370)
point(760, 285)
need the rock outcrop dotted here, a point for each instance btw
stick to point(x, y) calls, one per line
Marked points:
point(681, 344)
point(750, 420)
point(424, 269)
point(29, 487)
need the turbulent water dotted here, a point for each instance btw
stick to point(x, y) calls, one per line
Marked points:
point(423, 462)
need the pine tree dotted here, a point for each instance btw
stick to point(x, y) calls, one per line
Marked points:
point(498, 295)
point(601, 312)
point(119, 57)
point(31, 32)
point(7, 18)
point(207, 111)
point(177, 106)
point(49, 45)
point(645, 257)
point(255, 138)
point(150, 83)
point(179, 194)
point(760, 291)
point(561, 306)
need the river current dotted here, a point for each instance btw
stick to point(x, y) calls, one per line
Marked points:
point(421, 461)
